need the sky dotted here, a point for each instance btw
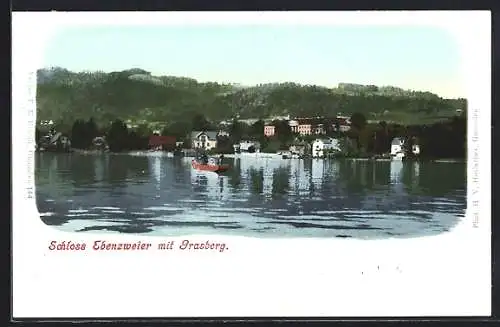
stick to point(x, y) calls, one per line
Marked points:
point(412, 57)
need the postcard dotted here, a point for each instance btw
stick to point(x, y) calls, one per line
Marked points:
point(251, 164)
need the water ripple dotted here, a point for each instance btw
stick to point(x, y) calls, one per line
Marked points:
point(260, 197)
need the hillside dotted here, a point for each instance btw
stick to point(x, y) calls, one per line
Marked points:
point(135, 94)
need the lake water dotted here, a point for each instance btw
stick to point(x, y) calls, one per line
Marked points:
point(155, 195)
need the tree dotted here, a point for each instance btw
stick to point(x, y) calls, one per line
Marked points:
point(366, 138)
point(90, 132)
point(381, 141)
point(408, 146)
point(271, 147)
point(118, 136)
point(62, 126)
point(358, 121)
point(330, 126)
point(78, 137)
point(283, 131)
point(200, 123)
point(180, 130)
point(238, 130)
point(257, 129)
point(347, 146)
point(143, 130)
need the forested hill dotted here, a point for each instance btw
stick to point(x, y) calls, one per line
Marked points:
point(137, 95)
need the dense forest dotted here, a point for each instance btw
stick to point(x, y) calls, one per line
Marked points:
point(137, 96)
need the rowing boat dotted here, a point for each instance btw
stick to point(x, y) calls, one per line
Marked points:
point(209, 167)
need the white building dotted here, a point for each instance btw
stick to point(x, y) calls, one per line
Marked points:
point(204, 140)
point(415, 149)
point(397, 145)
point(297, 149)
point(397, 148)
point(294, 125)
point(247, 147)
point(321, 146)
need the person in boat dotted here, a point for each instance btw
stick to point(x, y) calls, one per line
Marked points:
point(204, 158)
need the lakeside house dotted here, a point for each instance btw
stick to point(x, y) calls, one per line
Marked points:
point(307, 126)
point(247, 147)
point(311, 125)
point(397, 148)
point(99, 143)
point(397, 145)
point(54, 141)
point(322, 146)
point(65, 142)
point(304, 125)
point(159, 143)
point(269, 130)
point(415, 149)
point(204, 140)
point(300, 148)
point(319, 125)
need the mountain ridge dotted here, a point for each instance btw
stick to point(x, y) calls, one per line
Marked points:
point(136, 94)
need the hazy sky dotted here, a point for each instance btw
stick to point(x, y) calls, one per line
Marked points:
point(420, 58)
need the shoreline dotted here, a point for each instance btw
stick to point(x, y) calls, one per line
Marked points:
point(260, 155)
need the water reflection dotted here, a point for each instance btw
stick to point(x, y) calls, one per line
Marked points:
point(256, 178)
point(117, 176)
point(317, 174)
point(82, 171)
point(213, 186)
point(344, 198)
point(280, 186)
point(100, 168)
point(396, 176)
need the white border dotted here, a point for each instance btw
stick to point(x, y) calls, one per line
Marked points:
point(448, 274)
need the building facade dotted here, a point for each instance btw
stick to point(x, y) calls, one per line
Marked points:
point(269, 130)
point(247, 147)
point(397, 148)
point(341, 124)
point(320, 147)
point(313, 126)
point(204, 140)
point(159, 143)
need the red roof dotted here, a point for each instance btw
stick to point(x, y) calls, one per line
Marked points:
point(155, 140)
